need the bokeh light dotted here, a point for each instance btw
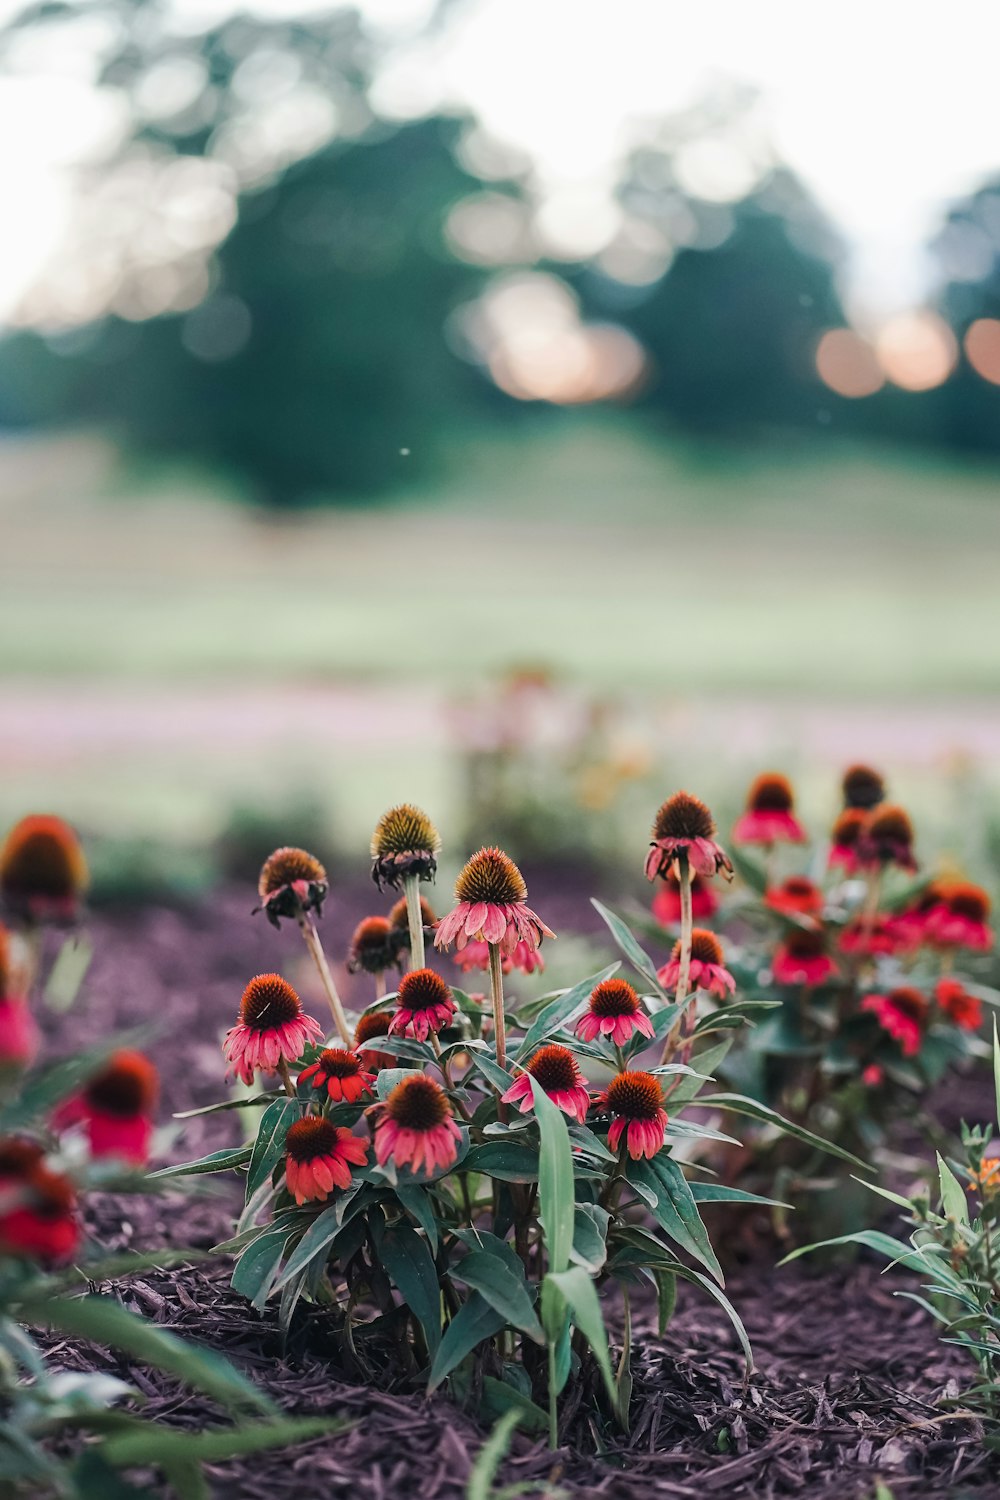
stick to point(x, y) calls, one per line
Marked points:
point(982, 348)
point(917, 350)
point(846, 363)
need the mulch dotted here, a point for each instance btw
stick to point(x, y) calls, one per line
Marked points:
point(848, 1373)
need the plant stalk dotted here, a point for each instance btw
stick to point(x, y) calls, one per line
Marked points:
point(411, 885)
point(684, 974)
point(312, 942)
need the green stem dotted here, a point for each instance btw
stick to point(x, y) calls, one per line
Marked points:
point(496, 987)
point(315, 947)
point(553, 1398)
point(684, 974)
point(414, 916)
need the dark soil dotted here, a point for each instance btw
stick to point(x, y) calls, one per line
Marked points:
point(848, 1372)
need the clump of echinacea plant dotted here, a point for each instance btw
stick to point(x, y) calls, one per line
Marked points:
point(294, 884)
point(463, 1179)
point(83, 1124)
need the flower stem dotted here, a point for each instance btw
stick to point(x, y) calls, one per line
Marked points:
point(414, 916)
point(684, 972)
point(380, 985)
point(286, 1078)
point(312, 942)
point(496, 985)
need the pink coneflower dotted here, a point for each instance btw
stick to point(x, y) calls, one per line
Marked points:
point(636, 1102)
point(292, 882)
point(476, 956)
point(614, 1011)
point(667, 900)
point(37, 1206)
point(43, 874)
point(115, 1108)
point(909, 926)
point(375, 1023)
point(556, 1070)
point(887, 839)
point(802, 958)
point(769, 817)
point(416, 1127)
point(959, 917)
point(340, 1073)
point(902, 1013)
point(862, 787)
point(491, 896)
point(844, 839)
point(372, 947)
point(318, 1158)
point(272, 1028)
point(405, 843)
point(961, 1008)
point(873, 937)
point(707, 969)
point(798, 896)
point(684, 824)
point(425, 1005)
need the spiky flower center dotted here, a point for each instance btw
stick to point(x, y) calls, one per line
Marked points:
point(862, 787)
point(309, 1138)
point(891, 823)
point(371, 944)
point(805, 942)
point(404, 830)
point(968, 901)
point(126, 1087)
point(42, 857)
point(337, 1062)
point(848, 827)
point(637, 1096)
point(705, 947)
point(399, 917)
point(422, 989)
point(771, 792)
point(491, 876)
point(909, 1001)
point(285, 867)
point(615, 997)
point(417, 1103)
point(683, 817)
point(268, 1002)
point(555, 1068)
point(376, 1023)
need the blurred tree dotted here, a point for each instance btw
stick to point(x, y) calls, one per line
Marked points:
point(967, 253)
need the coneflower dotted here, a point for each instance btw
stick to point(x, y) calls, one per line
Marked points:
point(666, 905)
point(887, 839)
point(615, 1011)
point(862, 787)
point(959, 917)
point(845, 838)
point(707, 970)
point(802, 958)
point(293, 884)
point(415, 1127)
point(43, 873)
point(272, 1030)
point(340, 1074)
point(37, 1206)
point(798, 896)
point(635, 1101)
point(318, 1158)
point(769, 817)
point(425, 1005)
point(115, 1108)
point(373, 949)
point(404, 849)
point(954, 1001)
point(372, 1025)
point(555, 1069)
point(903, 1013)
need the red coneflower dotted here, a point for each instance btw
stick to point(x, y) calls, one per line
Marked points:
point(292, 882)
point(958, 918)
point(425, 1005)
point(416, 1127)
point(373, 947)
point(769, 817)
point(961, 1008)
point(872, 937)
point(491, 907)
point(667, 900)
point(116, 1108)
point(405, 843)
point(272, 1029)
point(844, 840)
point(902, 1013)
point(614, 1011)
point(341, 1073)
point(798, 896)
point(887, 839)
point(318, 1157)
point(37, 1205)
point(862, 787)
point(685, 825)
point(374, 1023)
point(636, 1102)
point(476, 956)
point(802, 958)
point(43, 874)
point(707, 969)
point(556, 1070)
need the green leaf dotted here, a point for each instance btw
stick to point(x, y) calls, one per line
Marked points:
point(68, 971)
point(475, 1321)
point(706, 1062)
point(580, 1293)
point(714, 1192)
point(740, 1105)
point(696, 1277)
point(556, 1194)
point(388, 1078)
point(269, 1147)
point(107, 1322)
point(956, 1205)
point(492, 1277)
point(675, 1209)
point(162, 1445)
point(491, 1456)
point(316, 1241)
point(623, 936)
point(552, 1017)
point(500, 1398)
point(410, 1268)
point(256, 1270)
point(217, 1161)
point(213, 1109)
point(996, 1069)
point(752, 874)
point(500, 1079)
point(590, 1229)
point(418, 1205)
point(508, 1161)
point(872, 1239)
point(666, 1298)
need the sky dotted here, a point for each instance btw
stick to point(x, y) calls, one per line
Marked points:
point(886, 109)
